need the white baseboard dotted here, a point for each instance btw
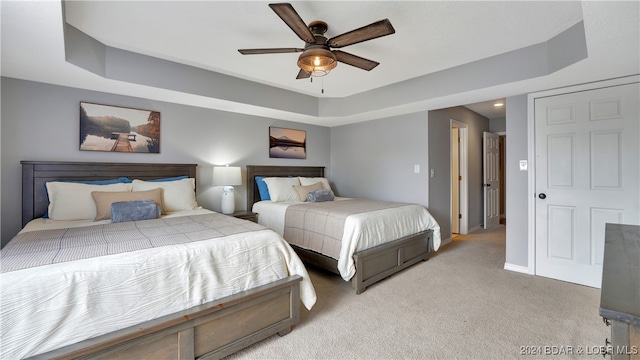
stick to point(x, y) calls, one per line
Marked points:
point(516, 268)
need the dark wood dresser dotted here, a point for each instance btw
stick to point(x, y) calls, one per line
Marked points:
point(620, 292)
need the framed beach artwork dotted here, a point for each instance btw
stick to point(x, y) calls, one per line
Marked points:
point(287, 143)
point(119, 129)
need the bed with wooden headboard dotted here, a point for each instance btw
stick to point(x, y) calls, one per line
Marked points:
point(208, 331)
point(372, 264)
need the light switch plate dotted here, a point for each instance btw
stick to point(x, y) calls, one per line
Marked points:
point(523, 165)
point(416, 168)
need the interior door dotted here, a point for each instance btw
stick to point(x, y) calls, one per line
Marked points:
point(587, 175)
point(491, 179)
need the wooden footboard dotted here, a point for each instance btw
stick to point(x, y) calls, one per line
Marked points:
point(210, 331)
point(379, 262)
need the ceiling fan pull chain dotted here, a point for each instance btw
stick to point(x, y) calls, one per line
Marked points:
point(322, 85)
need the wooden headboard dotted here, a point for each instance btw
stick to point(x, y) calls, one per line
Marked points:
point(253, 195)
point(36, 173)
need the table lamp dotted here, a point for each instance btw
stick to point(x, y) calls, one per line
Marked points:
point(227, 176)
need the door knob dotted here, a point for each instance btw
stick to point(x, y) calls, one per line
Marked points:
point(542, 196)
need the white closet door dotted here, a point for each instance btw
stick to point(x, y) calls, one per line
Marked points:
point(587, 175)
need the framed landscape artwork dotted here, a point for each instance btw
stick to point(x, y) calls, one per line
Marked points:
point(119, 129)
point(287, 143)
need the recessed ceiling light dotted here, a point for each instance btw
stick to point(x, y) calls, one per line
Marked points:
point(498, 104)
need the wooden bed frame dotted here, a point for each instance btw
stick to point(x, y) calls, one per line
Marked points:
point(373, 264)
point(209, 331)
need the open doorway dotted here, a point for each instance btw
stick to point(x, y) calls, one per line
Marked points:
point(495, 111)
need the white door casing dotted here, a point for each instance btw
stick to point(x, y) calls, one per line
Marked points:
point(587, 174)
point(491, 179)
point(463, 173)
point(455, 181)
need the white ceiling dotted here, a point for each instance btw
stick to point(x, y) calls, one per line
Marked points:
point(430, 36)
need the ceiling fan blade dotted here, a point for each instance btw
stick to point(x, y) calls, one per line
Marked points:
point(354, 60)
point(269, 51)
point(289, 15)
point(303, 74)
point(371, 31)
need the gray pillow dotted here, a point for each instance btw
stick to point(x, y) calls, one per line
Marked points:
point(320, 195)
point(134, 210)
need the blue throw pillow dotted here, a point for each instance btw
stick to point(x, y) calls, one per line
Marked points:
point(100, 182)
point(175, 178)
point(263, 189)
point(134, 210)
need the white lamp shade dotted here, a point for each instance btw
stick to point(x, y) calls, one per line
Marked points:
point(227, 176)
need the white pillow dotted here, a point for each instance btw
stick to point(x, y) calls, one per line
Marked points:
point(73, 201)
point(177, 195)
point(306, 181)
point(281, 188)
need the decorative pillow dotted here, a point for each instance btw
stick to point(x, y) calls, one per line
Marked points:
point(73, 201)
point(177, 195)
point(309, 181)
point(134, 210)
point(169, 178)
point(303, 191)
point(263, 189)
point(281, 188)
point(120, 180)
point(320, 196)
point(104, 199)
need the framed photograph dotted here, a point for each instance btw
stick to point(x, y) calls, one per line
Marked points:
point(119, 129)
point(287, 143)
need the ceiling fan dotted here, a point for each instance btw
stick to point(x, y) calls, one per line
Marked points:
point(317, 57)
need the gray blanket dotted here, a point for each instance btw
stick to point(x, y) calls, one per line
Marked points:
point(45, 247)
point(320, 226)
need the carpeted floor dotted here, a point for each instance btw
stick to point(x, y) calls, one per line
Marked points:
point(460, 304)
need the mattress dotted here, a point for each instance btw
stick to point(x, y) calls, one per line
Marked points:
point(361, 231)
point(45, 307)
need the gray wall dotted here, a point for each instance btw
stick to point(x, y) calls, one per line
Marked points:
point(41, 122)
point(373, 159)
point(498, 124)
point(517, 212)
point(440, 162)
point(376, 159)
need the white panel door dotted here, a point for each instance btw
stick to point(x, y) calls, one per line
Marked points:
point(587, 175)
point(491, 178)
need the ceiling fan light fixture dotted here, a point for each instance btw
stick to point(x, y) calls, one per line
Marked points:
point(317, 62)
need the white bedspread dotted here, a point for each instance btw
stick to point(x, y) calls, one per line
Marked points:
point(362, 231)
point(50, 306)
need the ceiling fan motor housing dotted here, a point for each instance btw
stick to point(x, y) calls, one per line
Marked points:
point(318, 28)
